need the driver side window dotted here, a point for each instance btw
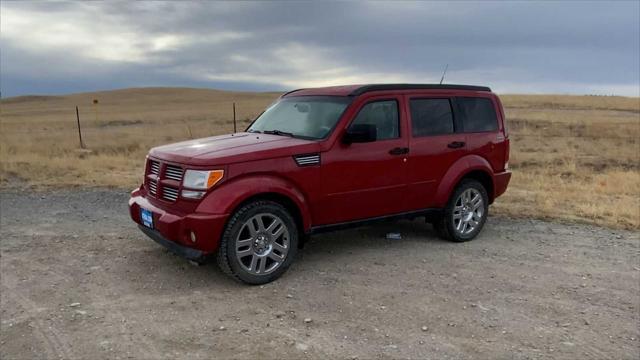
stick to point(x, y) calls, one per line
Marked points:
point(383, 115)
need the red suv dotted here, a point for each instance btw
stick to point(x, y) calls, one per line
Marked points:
point(324, 159)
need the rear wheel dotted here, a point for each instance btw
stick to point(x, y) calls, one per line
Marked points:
point(259, 243)
point(465, 213)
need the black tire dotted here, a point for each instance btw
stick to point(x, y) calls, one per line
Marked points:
point(445, 226)
point(227, 258)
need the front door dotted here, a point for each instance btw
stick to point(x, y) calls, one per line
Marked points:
point(365, 180)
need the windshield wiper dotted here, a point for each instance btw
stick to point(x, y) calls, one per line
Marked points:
point(278, 132)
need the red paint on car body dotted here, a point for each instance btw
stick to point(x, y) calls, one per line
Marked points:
point(351, 182)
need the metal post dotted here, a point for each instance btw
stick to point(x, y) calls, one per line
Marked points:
point(79, 132)
point(234, 118)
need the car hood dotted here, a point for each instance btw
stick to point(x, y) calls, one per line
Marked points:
point(225, 149)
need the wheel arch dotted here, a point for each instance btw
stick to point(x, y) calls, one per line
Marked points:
point(468, 167)
point(483, 178)
point(281, 199)
point(238, 192)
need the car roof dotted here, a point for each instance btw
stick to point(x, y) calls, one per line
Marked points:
point(355, 90)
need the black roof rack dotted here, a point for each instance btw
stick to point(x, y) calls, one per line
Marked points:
point(292, 91)
point(377, 87)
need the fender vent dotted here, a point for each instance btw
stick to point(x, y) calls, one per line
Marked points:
point(307, 159)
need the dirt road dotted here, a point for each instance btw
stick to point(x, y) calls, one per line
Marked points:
point(80, 281)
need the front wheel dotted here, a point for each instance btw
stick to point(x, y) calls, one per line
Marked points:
point(465, 213)
point(259, 243)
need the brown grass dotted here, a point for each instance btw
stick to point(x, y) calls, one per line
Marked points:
point(574, 157)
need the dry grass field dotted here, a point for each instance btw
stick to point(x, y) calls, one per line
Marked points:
point(575, 158)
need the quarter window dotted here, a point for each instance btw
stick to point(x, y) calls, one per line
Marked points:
point(431, 117)
point(478, 114)
point(382, 114)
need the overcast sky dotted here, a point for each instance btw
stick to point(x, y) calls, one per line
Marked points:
point(524, 47)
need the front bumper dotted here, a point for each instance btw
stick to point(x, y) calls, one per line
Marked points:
point(183, 251)
point(173, 229)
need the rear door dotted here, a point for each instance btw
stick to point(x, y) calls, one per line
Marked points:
point(365, 180)
point(435, 145)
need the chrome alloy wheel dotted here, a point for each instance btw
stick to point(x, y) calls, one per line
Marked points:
point(262, 244)
point(468, 211)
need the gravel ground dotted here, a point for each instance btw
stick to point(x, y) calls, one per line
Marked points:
point(80, 281)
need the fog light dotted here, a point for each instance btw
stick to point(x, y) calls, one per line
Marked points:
point(193, 237)
point(190, 194)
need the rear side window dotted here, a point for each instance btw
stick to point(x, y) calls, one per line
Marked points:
point(478, 114)
point(431, 117)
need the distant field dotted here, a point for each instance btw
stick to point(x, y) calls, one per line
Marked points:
point(574, 158)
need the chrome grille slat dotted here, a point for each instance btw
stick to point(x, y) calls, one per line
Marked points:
point(152, 187)
point(173, 172)
point(154, 167)
point(169, 193)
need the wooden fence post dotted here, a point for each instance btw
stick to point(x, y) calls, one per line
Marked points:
point(79, 132)
point(234, 119)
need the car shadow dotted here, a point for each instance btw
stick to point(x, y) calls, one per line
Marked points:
point(175, 271)
point(375, 235)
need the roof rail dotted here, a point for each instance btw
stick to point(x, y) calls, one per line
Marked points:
point(292, 91)
point(377, 87)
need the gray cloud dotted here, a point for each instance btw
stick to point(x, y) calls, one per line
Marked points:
point(565, 47)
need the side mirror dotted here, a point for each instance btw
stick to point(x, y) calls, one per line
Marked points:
point(360, 133)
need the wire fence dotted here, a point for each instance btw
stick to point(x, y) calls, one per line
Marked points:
point(72, 130)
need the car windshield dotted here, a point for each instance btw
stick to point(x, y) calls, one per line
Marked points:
point(309, 117)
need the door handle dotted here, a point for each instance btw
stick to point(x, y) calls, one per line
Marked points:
point(399, 151)
point(456, 144)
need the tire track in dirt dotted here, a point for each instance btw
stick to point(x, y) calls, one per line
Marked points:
point(54, 344)
point(525, 288)
point(95, 302)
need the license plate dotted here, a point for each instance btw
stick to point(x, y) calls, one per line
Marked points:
point(147, 218)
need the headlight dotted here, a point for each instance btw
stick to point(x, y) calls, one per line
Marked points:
point(200, 180)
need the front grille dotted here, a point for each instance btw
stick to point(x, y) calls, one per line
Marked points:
point(154, 167)
point(156, 183)
point(152, 187)
point(173, 172)
point(169, 193)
